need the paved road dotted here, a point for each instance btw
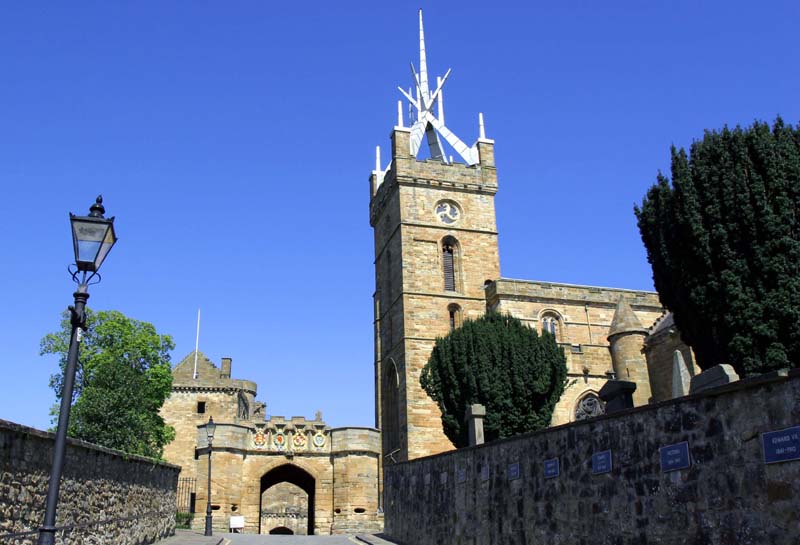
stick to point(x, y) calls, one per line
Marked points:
point(292, 540)
point(183, 537)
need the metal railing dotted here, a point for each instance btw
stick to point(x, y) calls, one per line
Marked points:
point(185, 498)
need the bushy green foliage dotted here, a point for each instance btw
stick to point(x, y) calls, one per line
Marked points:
point(724, 243)
point(501, 363)
point(183, 520)
point(123, 378)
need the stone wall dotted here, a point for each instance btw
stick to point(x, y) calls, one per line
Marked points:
point(354, 454)
point(105, 496)
point(497, 493)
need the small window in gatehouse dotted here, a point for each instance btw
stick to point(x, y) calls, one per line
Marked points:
point(201, 407)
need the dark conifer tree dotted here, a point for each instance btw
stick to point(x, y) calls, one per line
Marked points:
point(501, 363)
point(724, 243)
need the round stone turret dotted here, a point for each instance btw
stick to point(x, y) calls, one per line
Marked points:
point(626, 338)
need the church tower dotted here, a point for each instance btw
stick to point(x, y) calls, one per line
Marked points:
point(435, 248)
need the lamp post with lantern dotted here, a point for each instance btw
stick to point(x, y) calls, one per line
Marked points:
point(93, 237)
point(210, 429)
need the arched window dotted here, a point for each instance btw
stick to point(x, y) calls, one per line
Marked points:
point(450, 263)
point(243, 411)
point(454, 313)
point(390, 420)
point(589, 406)
point(551, 324)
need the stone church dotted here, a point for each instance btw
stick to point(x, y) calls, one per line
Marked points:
point(436, 264)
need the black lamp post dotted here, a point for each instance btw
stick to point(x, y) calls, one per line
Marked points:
point(210, 429)
point(92, 239)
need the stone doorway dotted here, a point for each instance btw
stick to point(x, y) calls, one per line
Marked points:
point(287, 501)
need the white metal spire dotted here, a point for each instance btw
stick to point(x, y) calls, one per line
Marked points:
point(423, 63)
point(429, 122)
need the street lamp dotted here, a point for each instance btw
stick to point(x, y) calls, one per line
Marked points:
point(210, 429)
point(92, 239)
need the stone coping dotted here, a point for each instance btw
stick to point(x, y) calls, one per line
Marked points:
point(775, 377)
point(365, 428)
point(19, 428)
point(251, 426)
point(566, 285)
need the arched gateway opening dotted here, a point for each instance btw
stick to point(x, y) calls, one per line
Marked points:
point(287, 501)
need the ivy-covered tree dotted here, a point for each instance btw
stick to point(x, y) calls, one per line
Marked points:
point(501, 363)
point(123, 378)
point(723, 239)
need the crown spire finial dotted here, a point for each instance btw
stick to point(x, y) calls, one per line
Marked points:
point(429, 124)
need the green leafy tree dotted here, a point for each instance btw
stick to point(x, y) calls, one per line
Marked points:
point(123, 378)
point(501, 363)
point(723, 240)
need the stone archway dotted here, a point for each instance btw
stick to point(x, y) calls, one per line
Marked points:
point(287, 501)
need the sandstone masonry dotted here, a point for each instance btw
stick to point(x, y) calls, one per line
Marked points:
point(106, 496)
point(283, 475)
point(498, 493)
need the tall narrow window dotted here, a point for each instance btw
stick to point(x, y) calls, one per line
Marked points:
point(449, 267)
point(391, 412)
point(454, 313)
point(550, 325)
point(451, 264)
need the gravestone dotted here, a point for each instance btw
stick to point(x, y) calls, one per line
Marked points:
point(474, 416)
point(618, 395)
point(681, 378)
point(719, 375)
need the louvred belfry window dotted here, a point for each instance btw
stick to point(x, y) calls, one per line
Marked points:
point(449, 267)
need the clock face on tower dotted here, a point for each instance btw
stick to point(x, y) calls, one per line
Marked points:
point(447, 212)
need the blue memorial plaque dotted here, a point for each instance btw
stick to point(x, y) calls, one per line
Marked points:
point(551, 468)
point(513, 471)
point(782, 445)
point(674, 457)
point(601, 462)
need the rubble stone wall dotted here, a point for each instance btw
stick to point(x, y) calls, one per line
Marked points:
point(498, 493)
point(105, 496)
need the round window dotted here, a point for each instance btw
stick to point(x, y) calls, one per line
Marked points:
point(447, 212)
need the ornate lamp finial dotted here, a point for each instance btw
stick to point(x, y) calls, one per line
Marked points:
point(97, 209)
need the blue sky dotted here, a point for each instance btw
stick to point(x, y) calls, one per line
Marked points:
point(233, 142)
